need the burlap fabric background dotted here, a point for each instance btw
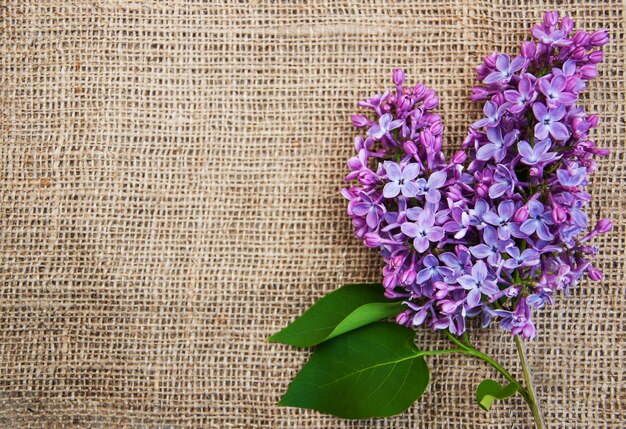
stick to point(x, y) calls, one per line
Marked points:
point(170, 178)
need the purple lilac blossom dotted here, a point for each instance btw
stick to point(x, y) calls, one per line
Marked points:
point(501, 228)
point(423, 230)
point(548, 122)
point(505, 69)
point(401, 180)
point(491, 247)
point(520, 98)
point(538, 154)
point(503, 220)
point(497, 146)
point(478, 283)
point(555, 91)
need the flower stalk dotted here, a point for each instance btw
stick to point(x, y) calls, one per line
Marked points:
point(530, 387)
point(527, 393)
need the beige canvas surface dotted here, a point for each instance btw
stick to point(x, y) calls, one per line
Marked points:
point(169, 197)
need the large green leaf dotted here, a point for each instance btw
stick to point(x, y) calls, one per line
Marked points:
point(489, 391)
point(341, 311)
point(375, 371)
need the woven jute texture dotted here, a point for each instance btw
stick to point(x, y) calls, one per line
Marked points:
point(169, 187)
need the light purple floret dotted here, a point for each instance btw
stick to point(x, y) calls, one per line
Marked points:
point(423, 230)
point(401, 180)
point(505, 69)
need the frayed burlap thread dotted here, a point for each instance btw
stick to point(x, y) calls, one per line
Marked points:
point(169, 197)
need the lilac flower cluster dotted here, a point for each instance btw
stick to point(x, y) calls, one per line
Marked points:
point(498, 235)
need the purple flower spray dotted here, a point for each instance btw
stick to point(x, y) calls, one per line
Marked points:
point(499, 229)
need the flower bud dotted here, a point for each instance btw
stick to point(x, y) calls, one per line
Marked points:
point(408, 277)
point(551, 18)
point(588, 71)
point(358, 221)
point(405, 103)
point(567, 24)
point(360, 231)
point(486, 175)
point(436, 128)
point(534, 171)
point(448, 307)
point(482, 190)
point(579, 127)
point(594, 274)
point(367, 178)
point(593, 120)
point(442, 289)
point(390, 281)
point(419, 90)
point(479, 93)
point(438, 144)
point(599, 38)
point(431, 102)
point(490, 60)
point(596, 57)
point(604, 225)
point(498, 98)
point(359, 121)
point(459, 157)
point(559, 214)
point(441, 294)
point(482, 71)
point(528, 49)
point(521, 214)
point(410, 148)
point(402, 318)
point(578, 54)
point(581, 38)
point(426, 138)
point(398, 260)
point(373, 240)
point(398, 76)
point(454, 194)
point(529, 332)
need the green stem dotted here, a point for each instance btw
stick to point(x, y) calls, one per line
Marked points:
point(532, 403)
point(469, 350)
point(527, 393)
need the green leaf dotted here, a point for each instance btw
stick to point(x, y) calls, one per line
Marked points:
point(348, 308)
point(489, 390)
point(375, 371)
